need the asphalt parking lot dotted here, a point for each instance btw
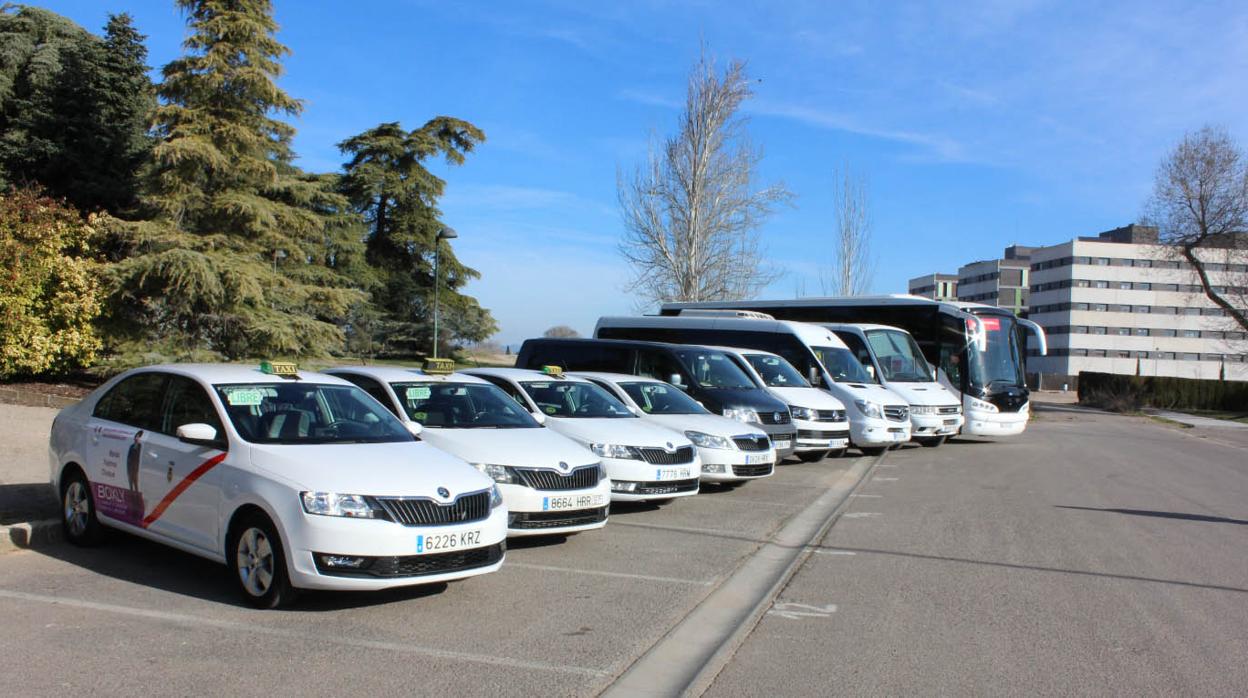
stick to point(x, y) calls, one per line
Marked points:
point(1094, 554)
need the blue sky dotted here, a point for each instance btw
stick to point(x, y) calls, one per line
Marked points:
point(977, 126)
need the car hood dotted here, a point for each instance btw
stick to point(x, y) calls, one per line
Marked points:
point(866, 391)
point(755, 398)
point(629, 432)
point(808, 397)
point(923, 393)
point(706, 423)
point(529, 448)
point(404, 469)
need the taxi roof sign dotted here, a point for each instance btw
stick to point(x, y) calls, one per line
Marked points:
point(286, 369)
point(553, 371)
point(439, 367)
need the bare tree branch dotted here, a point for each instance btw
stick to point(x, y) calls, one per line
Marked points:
point(691, 212)
point(852, 263)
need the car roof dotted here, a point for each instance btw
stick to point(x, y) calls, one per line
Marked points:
point(614, 377)
point(398, 374)
point(218, 374)
point(518, 374)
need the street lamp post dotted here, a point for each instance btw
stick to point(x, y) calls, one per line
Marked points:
point(443, 234)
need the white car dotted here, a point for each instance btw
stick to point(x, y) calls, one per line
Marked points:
point(295, 480)
point(551, 484)
point(644, 461)
point(730, 451)
point(821, 420)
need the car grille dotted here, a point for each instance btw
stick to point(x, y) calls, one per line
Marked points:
point(757, 470)
point(831, 416)
point(1009, 402)
point(658, 456)
point(897, 414)
point(426, 512)
point(668, 487)
point(774, 417)
point(579, 479)
point(420, 565)
point(789, 436)
point(812, 434)
point(752, 443)
point(529, 520)
point(949, 409)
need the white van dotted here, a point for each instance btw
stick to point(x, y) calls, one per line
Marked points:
point(878, 418)
point(895, 359)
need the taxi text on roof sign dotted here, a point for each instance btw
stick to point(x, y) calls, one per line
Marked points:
point(553, 371)
point(279, 368)
point(439, 366)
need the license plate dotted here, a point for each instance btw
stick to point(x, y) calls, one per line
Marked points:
point(781, 445)
point(443, 542)
point(756, 458)
point(572, 501)
point(950, 422)
point(838, 443)
point(672, 474)
point(899, 436)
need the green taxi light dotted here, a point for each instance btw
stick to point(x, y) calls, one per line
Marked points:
point(279, 368)
point(439, 367)
point(553, 371)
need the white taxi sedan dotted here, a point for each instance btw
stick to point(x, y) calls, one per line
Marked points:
point(644, 461)
point(295, 480)
point(551, 484)
point(730, 451)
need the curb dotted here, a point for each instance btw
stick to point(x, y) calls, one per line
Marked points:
point(29, 534)
point(686, 660)
point(13, 396)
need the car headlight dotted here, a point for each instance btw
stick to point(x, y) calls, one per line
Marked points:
point(742, 414)
point(870, 409)
point(615, 451)
point(984, 406)
point(498, 473)
point(805, 413)
point(496, 497)
point(704, 440)
point(332, 504)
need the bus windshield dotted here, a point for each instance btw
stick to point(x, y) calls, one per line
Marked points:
point(1001, 362)
point(842, 365)
point(898, 356)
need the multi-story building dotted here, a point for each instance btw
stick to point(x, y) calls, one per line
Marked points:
point(1121, 302)
point(941, 287)
point(1000, 282)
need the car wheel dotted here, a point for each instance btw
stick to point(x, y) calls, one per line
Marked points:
point(811, 456)
point(78, 519)
point(932, 443)
point(258, 563)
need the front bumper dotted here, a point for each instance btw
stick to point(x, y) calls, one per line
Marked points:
point(393, 551)
point(651, 481)
point(821, 436)
point(579, 506)
point(871, 432)
point(780, 433)
point(724, 465)
point(928, 426)
point(980, 423)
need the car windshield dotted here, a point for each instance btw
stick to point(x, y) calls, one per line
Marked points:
point(576, 399)
point(776, 372)
point(714, 370)
point(661, 398)
point(294, 413)
point(898, 356)
point(461, 406)
point(1001, 362)
point(842, 365)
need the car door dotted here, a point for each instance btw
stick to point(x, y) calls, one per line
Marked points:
point(120, 424)
point(180, 482)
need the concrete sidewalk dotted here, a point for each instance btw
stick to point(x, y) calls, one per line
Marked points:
point(28, 506)
point(1192, 420)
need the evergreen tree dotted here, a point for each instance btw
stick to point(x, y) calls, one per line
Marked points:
point(388, 184)
point(246, 254)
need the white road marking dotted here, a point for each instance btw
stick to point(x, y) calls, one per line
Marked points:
point(869, 496)
point(885, 465)
point(834, 552)
point(797, 611)
point(860, 514)
point(885, 479)
point(603, 573)
point(194, 620)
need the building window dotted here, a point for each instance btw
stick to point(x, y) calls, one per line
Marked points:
point(1140, 309)
point(1124, 354)
point(1124, 331)
point(1099, 307)
point(1125, 285)
point(1102, 284)
point(1098, 353)
point(1098, 330)
point(1141, 332)
point(1191, 334)
point(1102, 261)
point(1143, 262)
point(1079, 306)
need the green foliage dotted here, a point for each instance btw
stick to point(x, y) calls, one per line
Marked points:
point(73, 107)
point(388, 185)
point(48, 287)
point(1129, 393)
point(246, 255)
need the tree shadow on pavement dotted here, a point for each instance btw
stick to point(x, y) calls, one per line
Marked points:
point(1161, 514)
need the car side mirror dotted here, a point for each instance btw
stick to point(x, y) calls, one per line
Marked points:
point(198, 433)
point(635, 410)
point(413, 428)
point(870, 371)
point(814, 377)
point(539, 418)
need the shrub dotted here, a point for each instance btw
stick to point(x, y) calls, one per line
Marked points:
point(1129, 393)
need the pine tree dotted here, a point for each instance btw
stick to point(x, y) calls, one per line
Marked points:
point(388, 184)
point(245, 255)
